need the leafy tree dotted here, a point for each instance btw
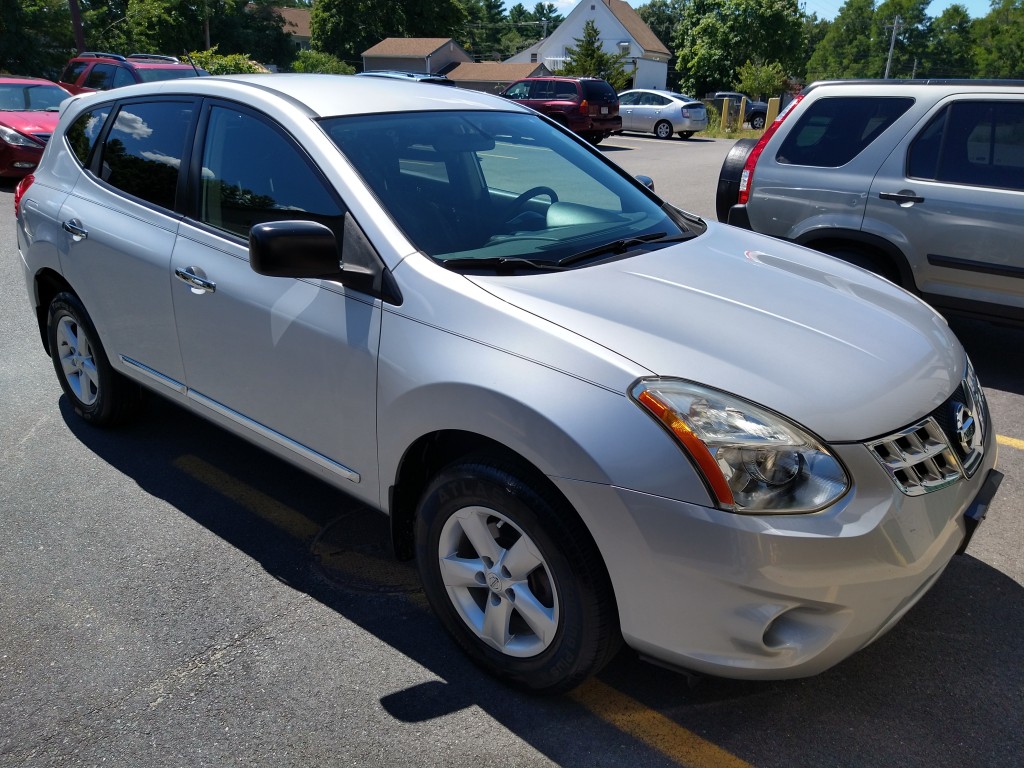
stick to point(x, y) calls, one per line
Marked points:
point(35, 36)
point(999, 41)
point(910, 43)
point(762, 80)
point(845, 50)
point(346, 28)
point(815, 30)
point(950, 50)
point(317, 61)
point(588, 59)
point(715, 37)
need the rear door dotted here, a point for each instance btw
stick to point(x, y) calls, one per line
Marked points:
point(955, 189)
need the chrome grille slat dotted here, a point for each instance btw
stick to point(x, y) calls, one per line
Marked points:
point(918, 459)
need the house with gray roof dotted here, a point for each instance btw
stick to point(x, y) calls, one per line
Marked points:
point(622, 31)
point(426, 55)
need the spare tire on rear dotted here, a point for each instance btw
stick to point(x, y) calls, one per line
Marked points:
point(729, 177)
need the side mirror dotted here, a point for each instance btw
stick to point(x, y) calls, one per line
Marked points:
point(309, 249)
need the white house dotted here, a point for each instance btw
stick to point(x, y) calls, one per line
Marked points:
point(621, 30)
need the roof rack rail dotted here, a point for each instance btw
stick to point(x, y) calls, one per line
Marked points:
point(155, 57)
point(102, 55)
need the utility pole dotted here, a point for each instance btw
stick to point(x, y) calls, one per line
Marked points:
point(896, 25)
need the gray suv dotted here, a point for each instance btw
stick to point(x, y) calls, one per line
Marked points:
point(919, 181)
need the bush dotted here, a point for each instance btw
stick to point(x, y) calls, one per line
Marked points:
point(317, 61)
point(231, 64)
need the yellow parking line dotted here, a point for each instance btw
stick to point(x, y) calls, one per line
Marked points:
point(653, 728)
point(267, 507)
point(1010, 441)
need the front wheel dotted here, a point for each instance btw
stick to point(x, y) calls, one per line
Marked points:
point(757, 122)
point(514, 577)
point(684, 135)
point(97, 392)
point(663, 130)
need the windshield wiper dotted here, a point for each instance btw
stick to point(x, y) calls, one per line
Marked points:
point(506, 262)
point(616, 247)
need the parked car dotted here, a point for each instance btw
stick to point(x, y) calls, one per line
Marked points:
point(588, 106)
point(754, 113)
point(919, 181)
point(96, 71)
point(662, 113)
point(415, 77)
point(28, 115)
point(543, 374)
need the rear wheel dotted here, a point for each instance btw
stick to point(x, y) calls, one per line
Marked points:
point(663, 129)
point(514, 577)
point(99, 394)
point(757, 122)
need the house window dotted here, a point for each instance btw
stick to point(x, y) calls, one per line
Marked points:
point(533, 58)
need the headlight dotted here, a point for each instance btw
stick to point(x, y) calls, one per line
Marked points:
point(16, 139)
point(753, 460)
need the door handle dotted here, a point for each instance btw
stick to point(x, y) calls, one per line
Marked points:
point(197, 283)
point(74, 228)
point(904, 197)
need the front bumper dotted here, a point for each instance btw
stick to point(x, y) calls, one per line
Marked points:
point(763, 597)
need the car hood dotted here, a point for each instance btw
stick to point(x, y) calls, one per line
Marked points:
point(845, 353)
point(30, 122)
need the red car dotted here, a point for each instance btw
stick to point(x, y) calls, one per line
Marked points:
point(28, 115)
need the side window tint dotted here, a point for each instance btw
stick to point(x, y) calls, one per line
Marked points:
point(833, 131)
point(101, 77)
point(983, 145)
point(254, 174)
point(144, 149)
point(628, 99)
point(542, 89)
point(72, 72)
point(83, 133)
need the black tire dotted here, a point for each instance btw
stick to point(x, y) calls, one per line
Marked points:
point(99, 394)
point(564, 628)
point(684, 135)
point(757, 121)
point(595, 138)
point(663, 129)
point(872, 261)
point(729, 177)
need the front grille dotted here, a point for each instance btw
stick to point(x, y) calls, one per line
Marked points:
point(940, 449)
point(43, 137)
point(918, 459)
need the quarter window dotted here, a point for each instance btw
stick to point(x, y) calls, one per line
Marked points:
point(253, 174)
point(85, 131)
point(142, 154)
point(972, 142)
point(833, 131)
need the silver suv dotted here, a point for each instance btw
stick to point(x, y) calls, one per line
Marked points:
point(588, 415)
point(919, 181)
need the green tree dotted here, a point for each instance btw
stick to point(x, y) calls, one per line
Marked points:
point(225, 64)
point(950, 48)
point(588, 59)
point(715, 37)
point(346, 28)
point(846, 48)
point(815, 30)
point(910, 43)
point(35, 36)
point(762, 80)
point(999, 41)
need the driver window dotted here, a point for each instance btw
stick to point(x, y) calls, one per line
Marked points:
point(253, 174)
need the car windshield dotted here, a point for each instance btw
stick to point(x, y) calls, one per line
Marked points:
point(22, 97)
point(500, 188)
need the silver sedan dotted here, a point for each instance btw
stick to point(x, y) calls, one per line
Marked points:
point(662, 113)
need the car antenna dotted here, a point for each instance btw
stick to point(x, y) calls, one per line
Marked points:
point(185, 55)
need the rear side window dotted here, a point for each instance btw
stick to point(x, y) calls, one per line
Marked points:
point(101, 77)
point(972, 142)
point(83, 134)
point(833, 131)
point(565, 91)
point(143, 152)
point(73, 71)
